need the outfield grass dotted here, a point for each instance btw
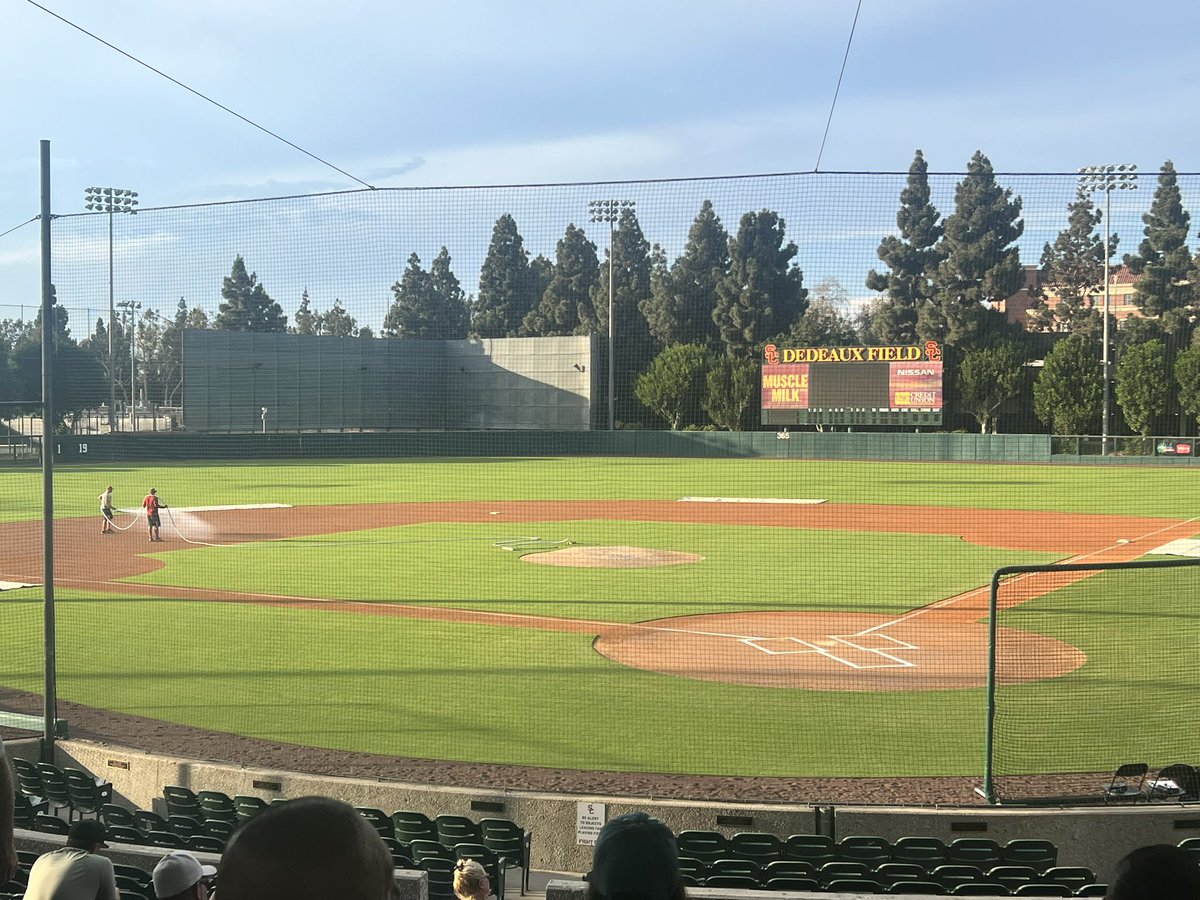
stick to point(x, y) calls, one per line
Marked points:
point(399, 686)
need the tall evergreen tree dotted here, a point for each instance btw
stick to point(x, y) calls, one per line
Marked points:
point(305, 318)
point(454, 314)
point(505, 284)
point(1067, 394)
point(1143, 385)
point(413, 313)
point(1071, 269)
point(247, 307)
point(576, 271)
point(911, 259)
point(763, 292)
point(980, 260)
point(337, 322)
point(682, 300)
point(633, 348)
point(1163, 260)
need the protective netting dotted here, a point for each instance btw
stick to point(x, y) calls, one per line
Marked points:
point(1094, 670)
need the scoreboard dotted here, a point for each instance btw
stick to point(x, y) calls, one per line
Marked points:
point(898, 385)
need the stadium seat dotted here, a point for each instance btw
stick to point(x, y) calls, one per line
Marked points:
point(380, 820)
point(1073, 877)
point(874, 851)
point(452, 830)
point(413, 826)
point(512, 843)
point(181, 801)
point(929, 852)
point(248, 807)
point(203, 843)
point(1092, 890)
point(54, 788)
point(1126, 782)
point(112, 814)
point(982, 852)
point(734, 866)
point(1037, 854)
point(25, 808)
point(706, 846)
point(788, 868)
point(141, 876)
point(29, 781)
point(184, 826)
point(835, 871)
point(951, 875)
point(168, 839)
point(1012, 877)
point(489, 860)
point(86, 792)
point(891, 872)
point(440, 873)
point(814, 848)
point(124, 834)
point(218, 828)
point(216, 805)
point(1039, 889)
point(126, 883)
point(48, 824)
point(979, 889)
point(693, 868)
point(147, 821)
point(1192, 847)
point(758, 846)
point(426, 850)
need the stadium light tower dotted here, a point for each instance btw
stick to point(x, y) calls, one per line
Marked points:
point(1106, 179)
point(609, 211)
point(110, 200)
point(132, 306)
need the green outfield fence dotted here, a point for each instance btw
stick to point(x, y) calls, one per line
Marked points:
point(1118, 640)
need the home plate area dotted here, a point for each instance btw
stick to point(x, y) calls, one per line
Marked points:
point(929, 649)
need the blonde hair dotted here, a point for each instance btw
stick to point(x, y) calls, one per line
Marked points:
point(469, 876)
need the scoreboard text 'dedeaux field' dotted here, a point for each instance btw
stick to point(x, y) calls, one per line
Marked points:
point(898, 385)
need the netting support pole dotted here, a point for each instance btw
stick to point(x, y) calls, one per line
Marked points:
point(48, 328)
point(989, 788)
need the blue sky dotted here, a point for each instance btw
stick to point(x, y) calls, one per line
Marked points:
point(465, 93)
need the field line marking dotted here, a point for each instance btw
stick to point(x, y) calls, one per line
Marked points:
point(912, 614)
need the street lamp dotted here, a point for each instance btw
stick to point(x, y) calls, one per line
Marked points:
point(111, 200)
point(131, 306)
point(1106, 179)
point(609, 211)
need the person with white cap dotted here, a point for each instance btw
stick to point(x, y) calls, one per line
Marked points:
point(180, 876)
point(74, 872)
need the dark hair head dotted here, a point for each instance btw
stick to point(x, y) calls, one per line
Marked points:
point(635, 856)
point(1157, 872)
point(310, 848)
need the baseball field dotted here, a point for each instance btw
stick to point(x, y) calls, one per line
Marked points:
point(739, 617)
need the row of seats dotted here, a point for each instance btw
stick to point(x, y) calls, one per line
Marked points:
point(74, 790)
point(794, 875)
point(818, 849)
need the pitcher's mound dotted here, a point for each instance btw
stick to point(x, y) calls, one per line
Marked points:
point(611, 557)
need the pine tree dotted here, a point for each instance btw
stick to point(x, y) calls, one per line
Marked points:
point(305, 318)
point(247, 306)
point(576, 271)
point(505, 284)
point(337, 322)
point(1071, 268)
point(1163, 260)
point(980, 260)
point(911, 258)
point(763, 292)
point(413, 311)
point(453, 313)
point(682, 300)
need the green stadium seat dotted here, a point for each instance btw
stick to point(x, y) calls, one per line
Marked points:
point(814, 848)
point(181, 801)
point(218, 828)
point(851, 886)
point(124, 834)
point(891, 872)
point(140, 875)
point(1073, 877)
point(203, 843)
point(512, 843)
point(111, 814)
point(788, 868)
point(453, 830)
point(1092, 890)
point(733, 866)
point(48, 824)
point(413, 826)
point(874, 851)
point(440, 873)
point(168, 839)
point(982, 852)
point(54, 788)
point(693, 868)
point(425, 850)
point(379, 820)
point(706, 846)
point(790, 883)
point(1012, 877)
point(979, 889)
point(216, 805)
point(248, 807)
point(1037, 854)
point(1038, 889)
point(184, 826)
point(915, 887)
point(489, 860)
point(29, 780)
point(950, 875)
point(835, 871)
point(86, 792)
point(147, 821)
point(741, 882)
point(758, 846)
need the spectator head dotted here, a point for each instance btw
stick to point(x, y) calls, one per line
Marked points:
point(311, 848)
point(87, 834)
point(636, 858)
point(180, 875)
point(153, 491)
point(1157, 872)
point(471, 880)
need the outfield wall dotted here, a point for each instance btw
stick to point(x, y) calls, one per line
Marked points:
point(172, 446)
